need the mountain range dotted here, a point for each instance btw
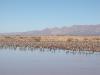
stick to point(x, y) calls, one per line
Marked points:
point(73, 30)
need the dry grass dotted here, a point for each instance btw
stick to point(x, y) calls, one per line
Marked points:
point(51, 38)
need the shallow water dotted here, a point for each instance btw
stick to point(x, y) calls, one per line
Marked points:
point(48, 62)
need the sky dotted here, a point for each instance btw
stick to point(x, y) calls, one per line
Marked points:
point(27, 15)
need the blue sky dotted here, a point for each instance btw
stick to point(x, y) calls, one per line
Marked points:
point(27, 15)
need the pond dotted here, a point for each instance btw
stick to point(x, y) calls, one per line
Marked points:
point(48, 62)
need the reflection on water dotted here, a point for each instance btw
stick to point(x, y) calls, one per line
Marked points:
point(40, 61)
point(52, 50)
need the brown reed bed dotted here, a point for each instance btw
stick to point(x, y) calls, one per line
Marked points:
point(75, 43)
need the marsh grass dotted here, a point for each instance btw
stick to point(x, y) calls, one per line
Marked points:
point(53, 42)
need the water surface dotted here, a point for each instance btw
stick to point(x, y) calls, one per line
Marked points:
point(48, 62)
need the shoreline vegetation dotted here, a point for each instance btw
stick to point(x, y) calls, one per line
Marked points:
point(74, 43)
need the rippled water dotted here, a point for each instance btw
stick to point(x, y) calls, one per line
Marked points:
point(48, 62)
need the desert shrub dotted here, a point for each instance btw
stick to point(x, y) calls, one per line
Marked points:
point(37, 39)
point(85, 39)
point(69, 39)
point(21, 37)
point(7, 37)
point(76, 40)
point(97, 39)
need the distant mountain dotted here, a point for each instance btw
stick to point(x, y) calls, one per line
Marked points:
point(73, 30)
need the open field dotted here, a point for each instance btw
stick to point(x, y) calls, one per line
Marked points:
point(91, 43)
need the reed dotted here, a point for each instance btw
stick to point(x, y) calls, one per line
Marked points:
point(80, 43)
